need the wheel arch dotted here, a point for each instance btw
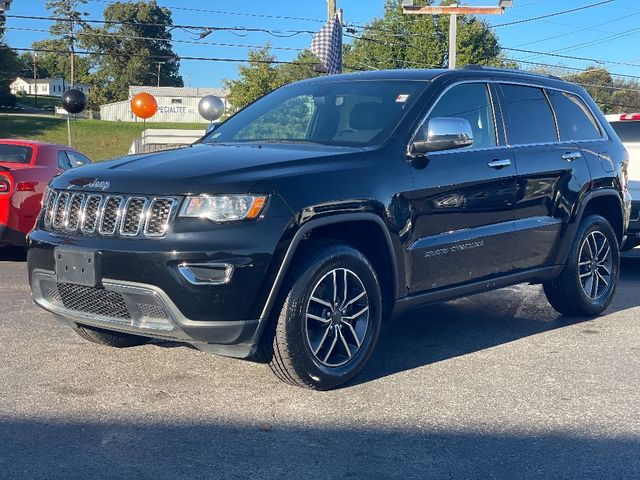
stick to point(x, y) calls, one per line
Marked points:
point(326, 228)
point(605, 202)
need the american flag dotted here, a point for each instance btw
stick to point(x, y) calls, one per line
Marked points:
point(327, 46)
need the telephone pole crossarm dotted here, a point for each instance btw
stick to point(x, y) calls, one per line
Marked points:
point(452, 10)
point(408, 8)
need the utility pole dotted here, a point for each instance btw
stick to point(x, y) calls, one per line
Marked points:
point(35, 80)
point(72, 56)
point(453, 11)
point(159, 64)
point(331, 9)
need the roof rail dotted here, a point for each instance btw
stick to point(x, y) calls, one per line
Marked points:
point(509, 70)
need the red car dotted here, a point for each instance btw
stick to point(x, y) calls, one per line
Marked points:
point(25, 170)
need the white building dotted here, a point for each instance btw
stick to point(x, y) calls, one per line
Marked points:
point(52, 87)
point(175, 104)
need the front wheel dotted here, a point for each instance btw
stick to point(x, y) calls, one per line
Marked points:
point(330, 319)
point(588, 280)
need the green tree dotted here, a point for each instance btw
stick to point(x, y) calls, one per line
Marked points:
point(261, 76)
point(64, 37)
point(420, 41)
point(625, 98)
point(128, 50)
point(256, 79)
point(304, 66)
point(8, 67)
point(599, 83)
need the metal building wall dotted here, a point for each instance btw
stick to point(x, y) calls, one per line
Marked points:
point(168, 111)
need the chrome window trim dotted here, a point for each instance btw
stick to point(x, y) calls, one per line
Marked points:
point(141, 222)
point(603, 138)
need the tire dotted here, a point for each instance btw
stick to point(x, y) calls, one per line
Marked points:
point(577, 291)
point(108, 338)
point(329, 347)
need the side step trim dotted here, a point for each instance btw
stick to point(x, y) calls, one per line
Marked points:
point(537, 275)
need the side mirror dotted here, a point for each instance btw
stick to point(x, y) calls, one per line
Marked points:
point(442, 134)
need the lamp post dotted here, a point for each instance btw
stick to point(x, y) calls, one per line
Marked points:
point(453, 11)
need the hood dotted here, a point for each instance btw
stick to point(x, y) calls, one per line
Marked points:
point(204, 168)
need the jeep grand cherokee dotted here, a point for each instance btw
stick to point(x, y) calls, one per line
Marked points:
point(294, 228)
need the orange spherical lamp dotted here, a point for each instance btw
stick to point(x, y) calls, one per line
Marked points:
point(144, 105)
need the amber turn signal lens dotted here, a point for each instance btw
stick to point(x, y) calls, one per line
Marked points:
point(256, 208)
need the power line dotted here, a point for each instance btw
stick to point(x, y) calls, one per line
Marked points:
point(573, 32)
point(161, 57)
point(555, 14)
point(222, 12)
point(570, 57)
point(167, 40)
point(275, 33)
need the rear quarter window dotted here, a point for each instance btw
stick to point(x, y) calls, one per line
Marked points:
point(530, 116)
point(15, 154)
point(629, 132)
point(575, 121)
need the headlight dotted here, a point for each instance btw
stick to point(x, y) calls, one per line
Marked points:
point(224, 208)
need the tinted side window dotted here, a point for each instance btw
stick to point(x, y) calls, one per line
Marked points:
point(575, 121)
point(627, 131)
point(63, 160)
point(472, 102)
point(77, 159)
point(530, 116)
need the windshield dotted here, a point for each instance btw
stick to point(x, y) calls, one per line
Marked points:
point(15, 154)
point(356, 113)
point(628, 132)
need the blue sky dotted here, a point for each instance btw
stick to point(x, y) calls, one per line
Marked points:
point(611, 32)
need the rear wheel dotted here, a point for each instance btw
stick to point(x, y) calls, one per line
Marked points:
point(330, 319)
point(108, 338)
point(588, 281)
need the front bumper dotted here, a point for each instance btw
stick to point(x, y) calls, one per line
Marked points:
point(140, 309)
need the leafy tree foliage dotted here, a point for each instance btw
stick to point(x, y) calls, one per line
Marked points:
point(611, 95)
point(127, 52)
point(64, 36)
point(260, 77)
point(420, 41)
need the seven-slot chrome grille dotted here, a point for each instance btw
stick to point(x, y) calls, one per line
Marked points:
point(108, 214)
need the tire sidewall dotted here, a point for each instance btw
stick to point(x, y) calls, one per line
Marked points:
point(339, 256)
point(591, 224)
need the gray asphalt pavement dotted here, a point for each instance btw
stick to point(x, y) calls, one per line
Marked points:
point(492, 386)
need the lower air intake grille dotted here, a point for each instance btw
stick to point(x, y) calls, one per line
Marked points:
point(93, 300)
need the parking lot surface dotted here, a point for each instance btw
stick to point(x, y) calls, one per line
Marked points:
point(496, 385)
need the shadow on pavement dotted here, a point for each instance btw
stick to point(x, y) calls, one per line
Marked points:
point(441, 331)
point(36, 449)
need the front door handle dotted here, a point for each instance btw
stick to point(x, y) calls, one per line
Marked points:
point(571, 156)
point(499, 163)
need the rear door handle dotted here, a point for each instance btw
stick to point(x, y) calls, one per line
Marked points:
point(499, 163)
point(571, 156)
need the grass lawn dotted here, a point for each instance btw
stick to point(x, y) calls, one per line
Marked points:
point(97, 139)
point(43, 101)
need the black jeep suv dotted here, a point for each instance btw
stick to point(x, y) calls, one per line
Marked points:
point(294, 228)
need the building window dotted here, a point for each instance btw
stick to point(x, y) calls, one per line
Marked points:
point(175, 101)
